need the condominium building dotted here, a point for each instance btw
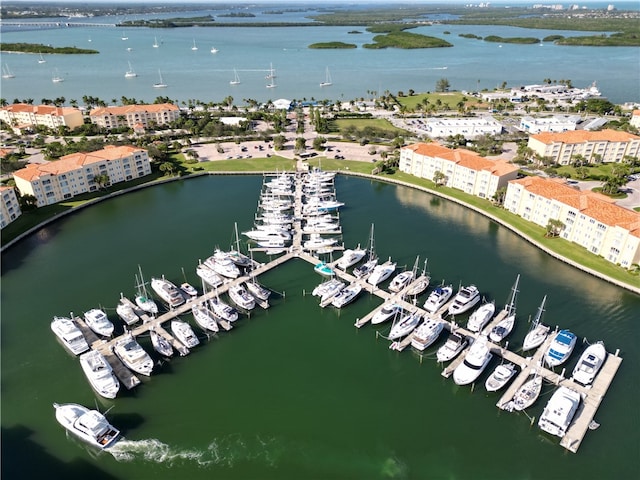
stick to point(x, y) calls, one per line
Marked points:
point(470, 128)
point(9, 206)
point(132, 115)
point(462, 169)
point(556, 123)
point(590, 220)
point(21, 116)
point(635, 118)
point(600, 146)
point(74, 174)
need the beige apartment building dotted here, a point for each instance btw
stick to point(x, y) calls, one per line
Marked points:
point(463, 169)
point(595, 147)
point(9, 206)
point(22, 116)
point(590, 220)
point(134, 116)
point(74, 174)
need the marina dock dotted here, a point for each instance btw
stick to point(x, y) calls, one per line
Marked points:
point(591, 396)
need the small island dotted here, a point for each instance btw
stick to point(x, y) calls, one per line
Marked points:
point(520, 40)
point(470, 35)
point(40, 48)
point(237, 15)
point(332, 45)
point(406, 40)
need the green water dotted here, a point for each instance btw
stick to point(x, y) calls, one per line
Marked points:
point(296, 391)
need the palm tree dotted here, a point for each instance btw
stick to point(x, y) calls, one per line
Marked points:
point(167, 168)
point(554, 227)
point(439, 178)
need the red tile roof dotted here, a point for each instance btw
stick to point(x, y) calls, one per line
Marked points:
point(582, 136)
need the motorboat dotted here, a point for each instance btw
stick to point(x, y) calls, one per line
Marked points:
point(274, 245)
point(97, 321)
point(189, 289)
point(205, 318)
point(126, 312)
point(559, 412)
point(220, 263)
point(400, 281)
point(560, 348)
point(405, 325)
point(475, 361)
point(134, 357)
point(481, 316)
point(346, 295)
point(381, 272)
point(331, 291)
point(209, 277)
point(241, 297)
point(90, 426)
point(146, 304)
point(427, 333)
point(366, 268)
point(257, 290)
point(239, 258)
point(100, 374)
point(167, 291)
point(437, 298)
point(451, 348)
point(160, 344)
point(500, 377)
point(69, 334)
point(317, 242)
point(271, 233)
point(223, 310)
point(350, 257)
point(323, 269)
point(184, 333)
point(589, 364)
point(538, 332)
point(387, 311)
point(504, 327)
point(464, 300)
point(527, 394)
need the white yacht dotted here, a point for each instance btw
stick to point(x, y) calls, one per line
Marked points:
point(126, 312)
point(427, 333)
point(500, 377)
point(167, 291)
point(69, 334)
point(366, 268)
point(330, 289)
point(589, 364)
point(160, 344)
point(350, 257)
point(481, 316)
point(189, 289)
point(100, 374)
point(559, 412)
point(241, 297)
point(464, 300)
point(561, 347)
point(381, 272)
point(346, 295)
point(184, 333)
point(223, 310)
point(205, 318)
point(209, 277)
point(504, 327)
point(97, 321)
point(451, 348)
point(220, 263)
point(316, 242)
point(437, 298)
point(405, 325)
point(89, 425)
point(527, 394)
point(134, 357)
point(401, 281)
point(538, 332)
point(475, 361)
point(387, 311)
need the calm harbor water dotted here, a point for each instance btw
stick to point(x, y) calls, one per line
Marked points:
point(297, 391)
point(470, 65)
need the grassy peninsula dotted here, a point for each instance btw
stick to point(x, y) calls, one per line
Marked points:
point(334, 45)
point(406, 40)
point(40, 48)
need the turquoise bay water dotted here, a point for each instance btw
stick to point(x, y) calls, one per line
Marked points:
point(469, 65)
point(296, 391)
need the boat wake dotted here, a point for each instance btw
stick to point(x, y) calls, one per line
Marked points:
point(235, 449)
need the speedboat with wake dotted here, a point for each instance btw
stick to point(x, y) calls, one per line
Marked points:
point(91, 426)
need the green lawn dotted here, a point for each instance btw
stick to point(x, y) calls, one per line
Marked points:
point(360, 123)
point(449, 100)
